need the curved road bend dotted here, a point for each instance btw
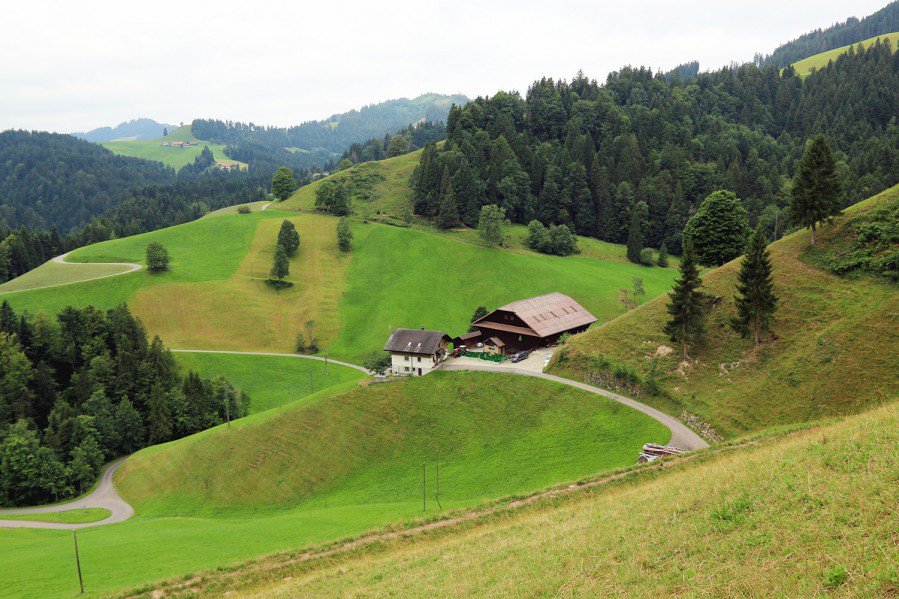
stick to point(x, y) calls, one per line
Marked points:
point(62, 260)
point(681, 435)
point(103, 496)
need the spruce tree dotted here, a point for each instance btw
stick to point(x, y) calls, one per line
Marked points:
point(280, 264)
point(687, 304)
point(816, 187)
point(663, 256)
point(447, 211)
point(756, 303)
point(635, 232)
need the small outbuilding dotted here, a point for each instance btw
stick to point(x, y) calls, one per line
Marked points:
point(416, 352)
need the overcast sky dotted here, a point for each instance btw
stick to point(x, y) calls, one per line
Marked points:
point(65, 67)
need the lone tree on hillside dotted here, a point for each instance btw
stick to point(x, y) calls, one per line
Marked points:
point(756, 303)
point(490, 224)
point(283, 183)
point(157, 257)
point(280, 264)
point(663, 256)
point(639, 215)
point(333, 196)
point(397, 146)
point(344, 234)
point(817, 191)
point(687, 304)
point(288, 238)
point(719, 229)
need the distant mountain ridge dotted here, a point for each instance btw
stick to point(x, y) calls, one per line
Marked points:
point(136, 129)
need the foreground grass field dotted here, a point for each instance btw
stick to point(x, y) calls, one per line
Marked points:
point(214, 296)
point(809, 514)
point(173, 156)
point(835, 351)
point(270, 381)
point(332, 465)
point(819, 61)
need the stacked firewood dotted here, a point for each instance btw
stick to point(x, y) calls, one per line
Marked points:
point(652, 451)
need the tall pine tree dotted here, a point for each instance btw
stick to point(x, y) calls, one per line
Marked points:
point(816, 188)
point(687, 304)
point(447, 211)
point(756, 303)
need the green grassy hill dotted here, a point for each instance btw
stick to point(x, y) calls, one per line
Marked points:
point(214, 295)
point(330, 466)
point(175, 157)
point(835, 351)
point(813, 510)
point(819, 61)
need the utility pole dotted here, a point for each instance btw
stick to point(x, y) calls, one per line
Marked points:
point(78, 560)
point(326, 362)
point(437, 494)
point(424, 485)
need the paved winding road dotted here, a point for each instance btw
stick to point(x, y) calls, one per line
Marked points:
point(62, 260)
point(681, 435)
point(103, 496)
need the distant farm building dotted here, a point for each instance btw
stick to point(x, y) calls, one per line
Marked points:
point(416, 352)
point(527, 324)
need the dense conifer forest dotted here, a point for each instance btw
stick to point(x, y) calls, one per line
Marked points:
point(85, 387)
point(585, 155)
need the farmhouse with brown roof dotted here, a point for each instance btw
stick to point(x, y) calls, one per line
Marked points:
point(528, 323)
point(416, 352)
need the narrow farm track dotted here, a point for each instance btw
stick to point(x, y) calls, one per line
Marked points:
point(257, 353)
point(103, 496)
point(131, 267)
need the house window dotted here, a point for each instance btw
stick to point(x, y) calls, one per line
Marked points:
point(407, 369)
point(406, 358)
point(419, 358)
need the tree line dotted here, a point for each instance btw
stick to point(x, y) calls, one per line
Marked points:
point(586, 155)
point(409, 139)
point(85, 387)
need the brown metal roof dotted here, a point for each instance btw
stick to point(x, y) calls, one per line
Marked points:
point(415, 341)
point(509, 328)
point(497, 342)
point(545, 314)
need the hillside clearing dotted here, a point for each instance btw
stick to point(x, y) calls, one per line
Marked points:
point(805, 66)
point(52, 274)
point(173, 156)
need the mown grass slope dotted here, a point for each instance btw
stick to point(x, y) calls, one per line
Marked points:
point(835, 351)
point(270, 381)
point(51, 273)
point(327, 467)
point(79, 516)
point(175, 157)
point(806, 515)
point(214, 296)
point(819, 61)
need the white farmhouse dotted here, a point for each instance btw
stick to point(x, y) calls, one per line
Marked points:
point(416, 352)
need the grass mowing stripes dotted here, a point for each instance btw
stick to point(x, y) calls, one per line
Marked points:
point(328, 466)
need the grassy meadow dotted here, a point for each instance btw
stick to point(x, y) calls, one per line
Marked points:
point(175, 157)
point(51, 273)
point(270, 381)
point(819, 61)
point(214, 295)
point(808, 514)
point(345, 460)
point(834, 351)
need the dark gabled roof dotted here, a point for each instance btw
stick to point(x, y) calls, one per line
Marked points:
point(497, 342)
point(468, 335)
point(415, 341)
point(545, 315)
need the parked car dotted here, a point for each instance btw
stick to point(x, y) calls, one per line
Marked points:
point(519, 356)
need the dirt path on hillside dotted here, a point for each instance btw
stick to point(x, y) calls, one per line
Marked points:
point(103, 496)
point(276, 355)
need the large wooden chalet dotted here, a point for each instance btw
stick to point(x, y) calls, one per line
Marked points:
point(528, 324)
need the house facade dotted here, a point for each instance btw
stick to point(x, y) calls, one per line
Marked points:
point(416, 352)
point(527, 324)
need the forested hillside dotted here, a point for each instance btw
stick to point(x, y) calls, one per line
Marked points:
point(316, 142)
point(57, 181)
point(589, 155)
point(850, 31)
point(133, 129)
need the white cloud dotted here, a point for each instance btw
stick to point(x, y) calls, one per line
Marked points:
point(68, 66)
